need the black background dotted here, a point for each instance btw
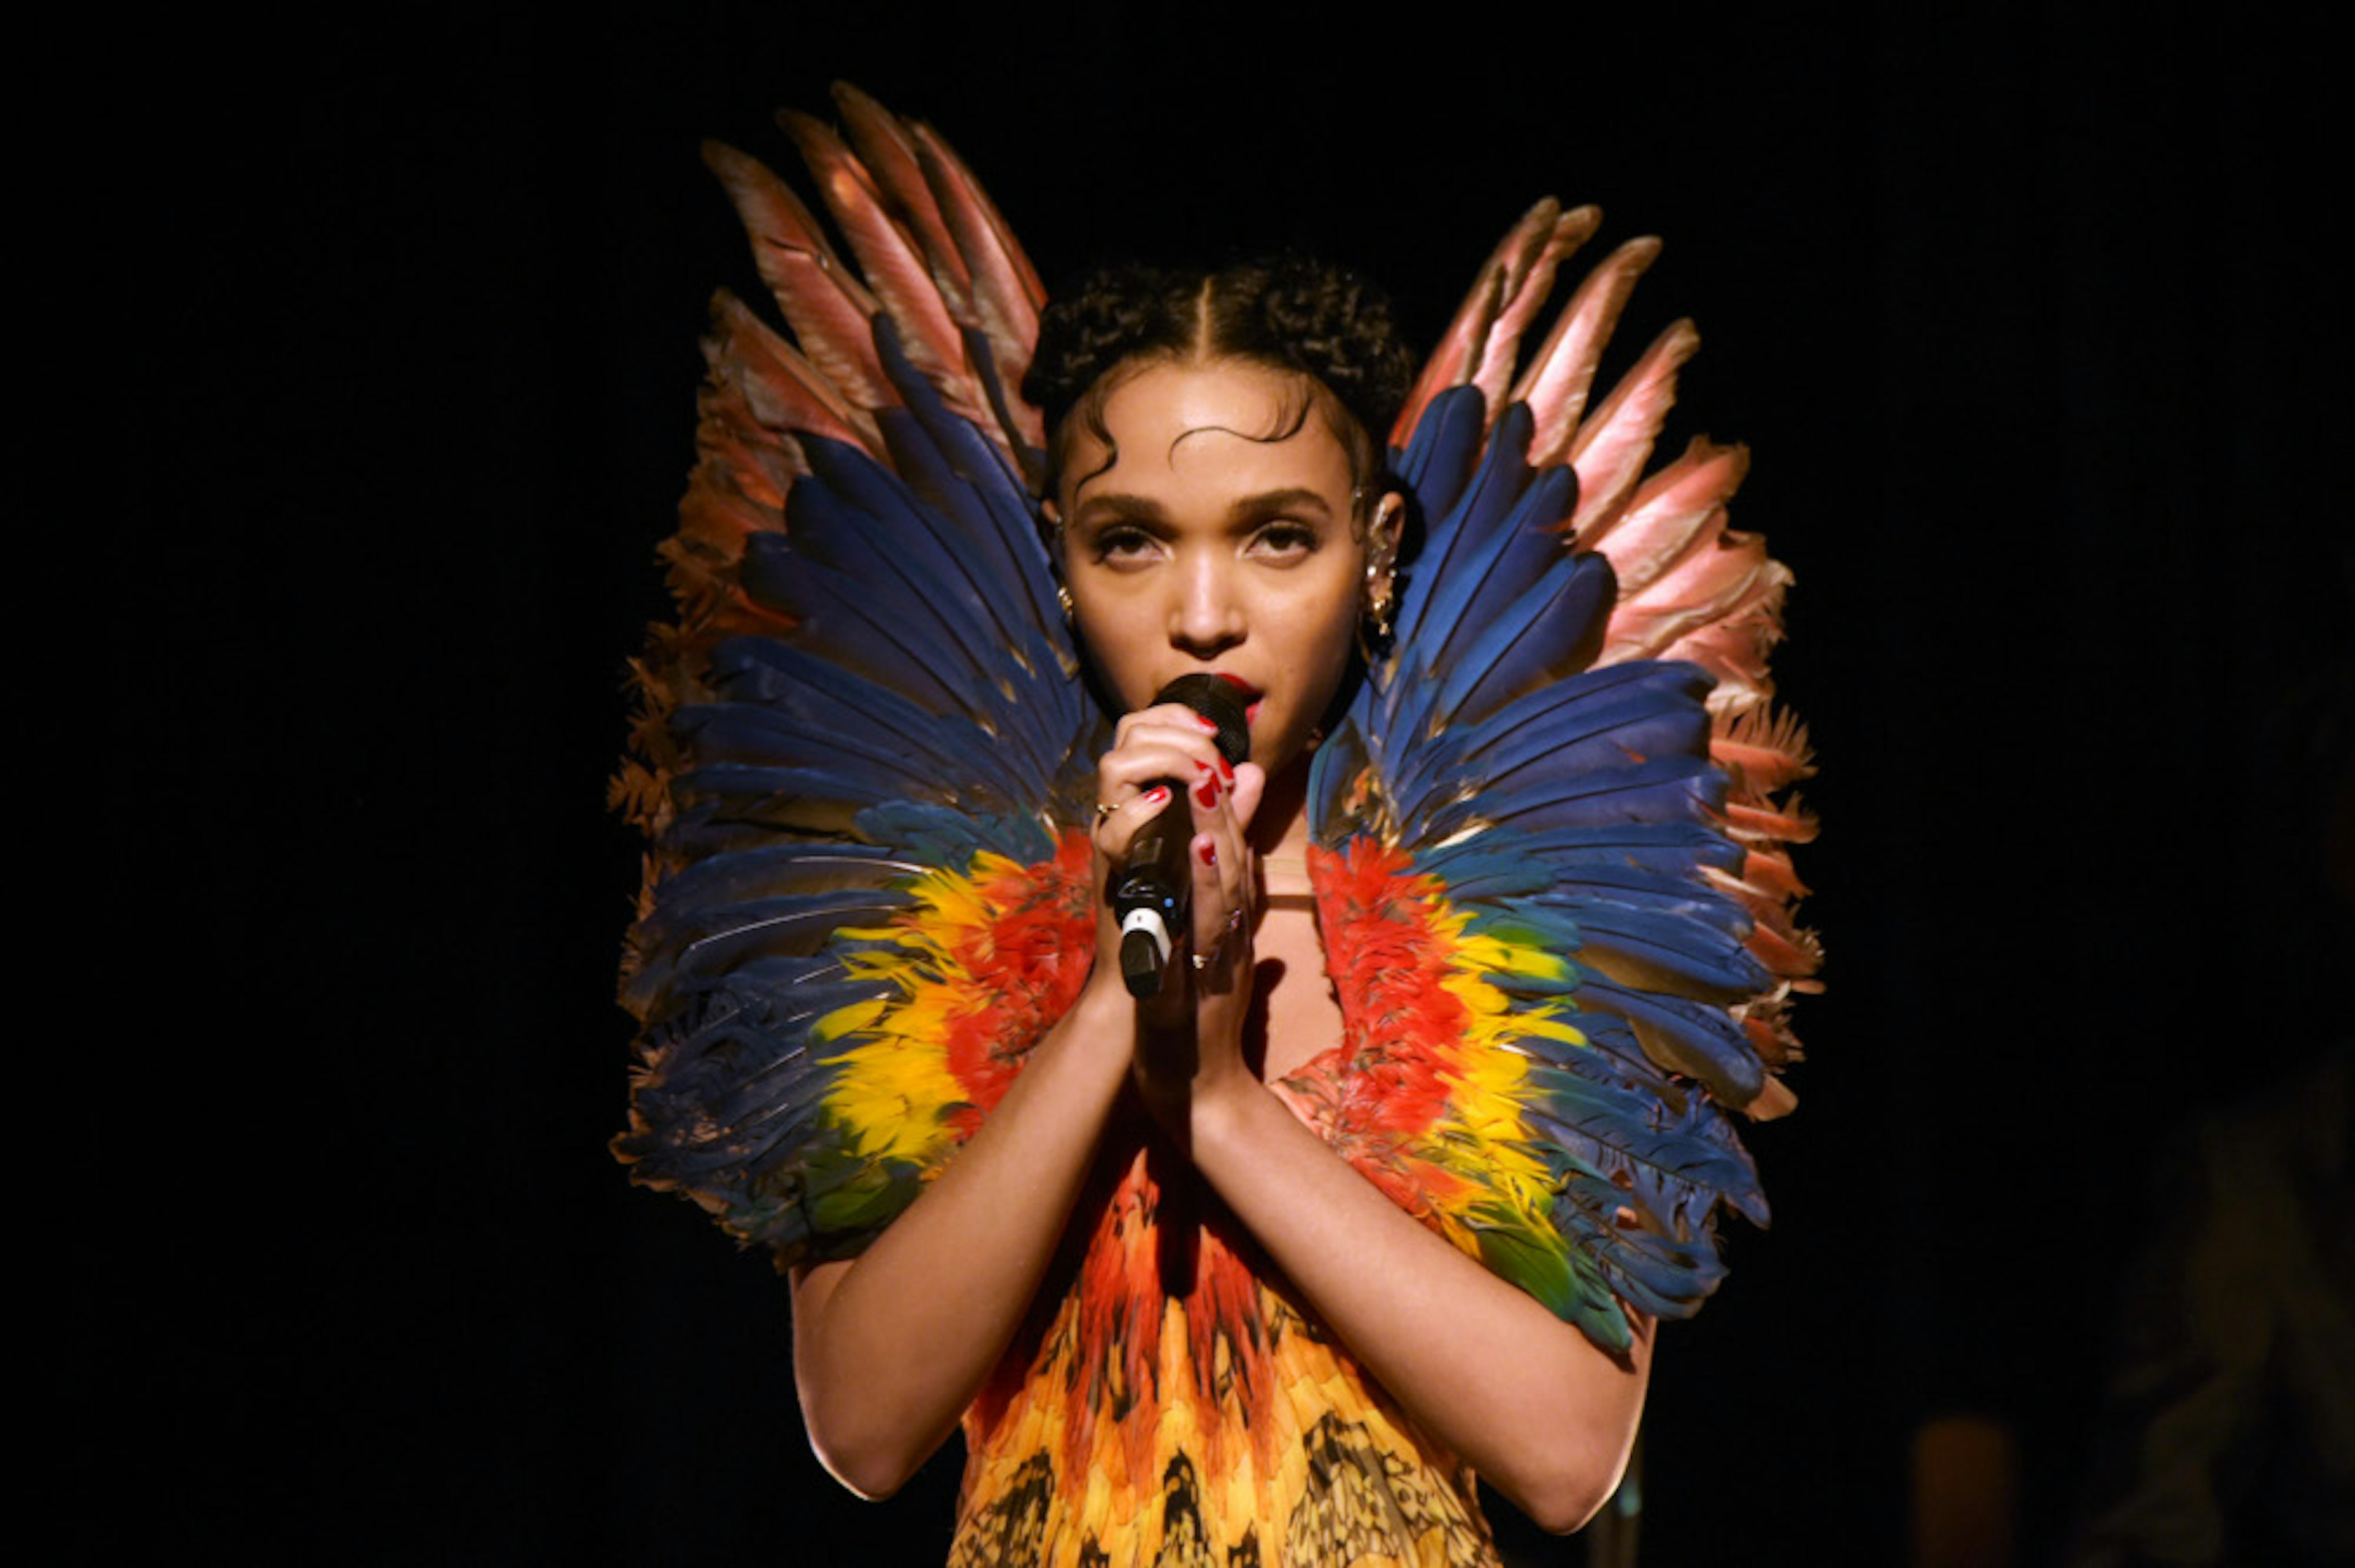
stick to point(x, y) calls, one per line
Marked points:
point(2040, 351)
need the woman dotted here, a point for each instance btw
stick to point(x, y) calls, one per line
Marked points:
point(1268, 1268)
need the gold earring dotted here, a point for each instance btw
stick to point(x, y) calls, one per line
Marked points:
point(1063, 597)
point(1374, 626)
point(1378, 581)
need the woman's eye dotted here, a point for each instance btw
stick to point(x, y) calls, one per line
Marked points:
point(1284, 541)
point(1124, 544)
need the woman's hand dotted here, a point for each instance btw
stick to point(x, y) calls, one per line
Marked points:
point(1537, 1409)
point(1190, 1036)
point(886, 1360)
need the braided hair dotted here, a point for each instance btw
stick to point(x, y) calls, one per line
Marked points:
point(1307, 317)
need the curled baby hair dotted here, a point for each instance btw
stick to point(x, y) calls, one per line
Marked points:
point(1290, 314)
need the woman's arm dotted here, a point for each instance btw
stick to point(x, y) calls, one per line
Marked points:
point(890, 1347)
point(887, 1356)
point(1527, 1398)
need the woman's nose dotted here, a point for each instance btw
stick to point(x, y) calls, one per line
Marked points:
point(1206, 616)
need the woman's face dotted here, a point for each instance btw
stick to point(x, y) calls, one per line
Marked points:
point(1217, 535)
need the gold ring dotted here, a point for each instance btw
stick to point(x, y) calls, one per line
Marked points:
point(1201, 961)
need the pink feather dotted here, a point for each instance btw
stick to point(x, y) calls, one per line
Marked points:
point(824, 302)
point(1007, 295)
point(1609, 451)
point(1465, 349)
point(894, 164)
point(1671, 511)
point(1562, 374)
point(887, 259)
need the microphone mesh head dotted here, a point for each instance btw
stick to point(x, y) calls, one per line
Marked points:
point(1221, 704)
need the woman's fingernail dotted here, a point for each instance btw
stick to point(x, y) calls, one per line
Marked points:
point(1206, 793)
point(1158, 795)
point(1207, 722)
point(1226, 770)
point(1208, 852)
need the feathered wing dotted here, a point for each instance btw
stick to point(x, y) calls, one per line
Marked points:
point(857, 748)
point(1552, 864)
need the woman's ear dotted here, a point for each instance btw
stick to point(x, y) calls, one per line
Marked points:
point(1384, 528)
point(1050, 534)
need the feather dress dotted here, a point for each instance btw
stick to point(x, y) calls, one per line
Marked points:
point(1551, 865)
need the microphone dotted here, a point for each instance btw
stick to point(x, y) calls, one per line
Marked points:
point(1151, 889)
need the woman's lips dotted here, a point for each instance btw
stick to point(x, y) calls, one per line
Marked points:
point(1252, 696)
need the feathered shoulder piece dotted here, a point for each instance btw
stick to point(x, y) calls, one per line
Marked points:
point(1553, 870)
point(1551, 865)
point(856, 750)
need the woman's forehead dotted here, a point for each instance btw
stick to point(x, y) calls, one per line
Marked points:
point(1196, 421)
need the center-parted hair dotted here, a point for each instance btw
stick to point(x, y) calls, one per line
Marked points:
point(1305, 317)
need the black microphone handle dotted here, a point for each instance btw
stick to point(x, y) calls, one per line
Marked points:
point(1151, 890)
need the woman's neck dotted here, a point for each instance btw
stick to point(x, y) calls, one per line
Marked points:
point(1279, 833)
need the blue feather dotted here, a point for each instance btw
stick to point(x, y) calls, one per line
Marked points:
point(1438, 459)
point(991, 504)
point(1549, 631)
point(1689, 1038)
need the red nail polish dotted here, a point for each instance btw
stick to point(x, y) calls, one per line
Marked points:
point(1208, 852)
point(1226, 771)
point(1158, 795)
point(1206, 793)
point(1207, 722)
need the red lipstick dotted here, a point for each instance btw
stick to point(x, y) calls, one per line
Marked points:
point(1251, 695)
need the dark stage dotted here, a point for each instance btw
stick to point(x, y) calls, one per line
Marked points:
point(2032, 332)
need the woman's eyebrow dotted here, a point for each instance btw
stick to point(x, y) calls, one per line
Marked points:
point(1295, 498)
point(1124, 508)
point(1115, 505)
